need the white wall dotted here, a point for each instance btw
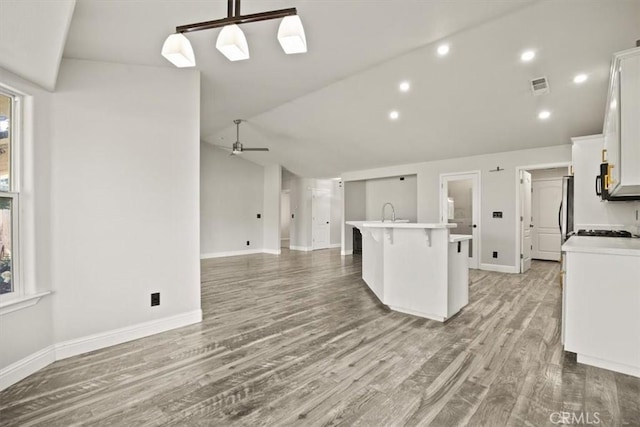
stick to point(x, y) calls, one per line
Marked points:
point(497, 191)
point(354, 210)
point(285, 215)
point(125, 196)
point(337, 195)
point(300, 190)
point(403, 194)
point(231, 196)
point(553, 173)
point(271, 209)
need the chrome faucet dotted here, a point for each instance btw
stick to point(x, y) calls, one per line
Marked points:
point(393, 212)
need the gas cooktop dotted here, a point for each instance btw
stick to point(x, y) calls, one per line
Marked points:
point(604, 233)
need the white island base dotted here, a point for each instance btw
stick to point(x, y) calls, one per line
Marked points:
point(415, 268)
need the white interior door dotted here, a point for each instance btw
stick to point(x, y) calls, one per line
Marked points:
point(460, 204)
point(320, 217)
point(545, 200)
point(525, 221)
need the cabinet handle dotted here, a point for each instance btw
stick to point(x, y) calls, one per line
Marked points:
point(604, 155)
point(608, 180)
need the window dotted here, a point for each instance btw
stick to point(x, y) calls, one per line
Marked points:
point(9, 194)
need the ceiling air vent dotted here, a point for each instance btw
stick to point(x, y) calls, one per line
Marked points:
point(540, 86)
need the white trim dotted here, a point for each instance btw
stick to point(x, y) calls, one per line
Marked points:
point(607, 364)
point(518, 243)
point(345, 253)
point(230, 253)
point(500, 268)
point(301, 248)
point(29, 365)
point(418, 313)
point(20, 303)
point(129, 333)
point(38, 360)
point(335, 245)
point(272, 251)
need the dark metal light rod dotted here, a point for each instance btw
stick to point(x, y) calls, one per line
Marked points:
point(263, 16)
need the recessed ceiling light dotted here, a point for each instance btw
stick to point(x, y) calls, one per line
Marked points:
point(443, 49)
point(580, 78)
point(527, 55)
point(394, 115)
point(544, 115)
point(405, 86)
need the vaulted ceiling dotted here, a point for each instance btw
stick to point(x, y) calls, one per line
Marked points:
point(326, 111)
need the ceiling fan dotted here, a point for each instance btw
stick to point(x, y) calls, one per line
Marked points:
point(238, 148)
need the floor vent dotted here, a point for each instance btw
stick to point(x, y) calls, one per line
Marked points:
point(540, 86)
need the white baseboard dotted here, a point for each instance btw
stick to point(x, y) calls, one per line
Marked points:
point(349, 252)
point(500, 268)
point(230, 253)
point(38, 360)
point(272, 251)
point(418, 313)
point(118, 336)
point(300, 248)
point(29, 365)
point(607, 364)
point(335, 245)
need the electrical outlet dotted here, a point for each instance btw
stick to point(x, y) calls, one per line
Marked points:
point(248, 242)
point(495, 254)
point(497, 214)
point(155, 299)
point(259, 216)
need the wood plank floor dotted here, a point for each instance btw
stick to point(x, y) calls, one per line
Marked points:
point(297, 339)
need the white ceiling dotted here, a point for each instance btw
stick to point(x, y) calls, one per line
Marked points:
point(474, 101)
point(32, 37)
point(325, 112)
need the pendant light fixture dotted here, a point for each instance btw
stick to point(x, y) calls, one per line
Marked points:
point(178, 51)
point(232, 43)
point(231, 40)
point(291, 35)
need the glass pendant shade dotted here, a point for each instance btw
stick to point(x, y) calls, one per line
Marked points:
point(232, 43)
point(291, 35)
point(177, 49)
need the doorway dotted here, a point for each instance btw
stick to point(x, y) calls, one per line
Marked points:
point(320, 217)
point(539, 197)
point(460, 205)
point(285, 219)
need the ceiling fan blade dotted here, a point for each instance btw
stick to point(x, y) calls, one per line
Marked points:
point(254, 149)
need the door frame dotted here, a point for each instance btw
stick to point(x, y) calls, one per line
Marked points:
point(518, 242)
point(477, 196)
point(323, 191)
point(286, 191)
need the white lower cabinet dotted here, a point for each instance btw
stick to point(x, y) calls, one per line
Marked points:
point(601, 302)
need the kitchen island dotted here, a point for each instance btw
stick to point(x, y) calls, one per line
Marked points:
point(416, 268)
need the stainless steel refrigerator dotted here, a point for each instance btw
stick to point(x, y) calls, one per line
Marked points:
point(565, 212)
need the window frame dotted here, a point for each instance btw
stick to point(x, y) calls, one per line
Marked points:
point(15, 126)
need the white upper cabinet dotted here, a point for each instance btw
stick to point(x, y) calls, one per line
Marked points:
point(622, 125)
